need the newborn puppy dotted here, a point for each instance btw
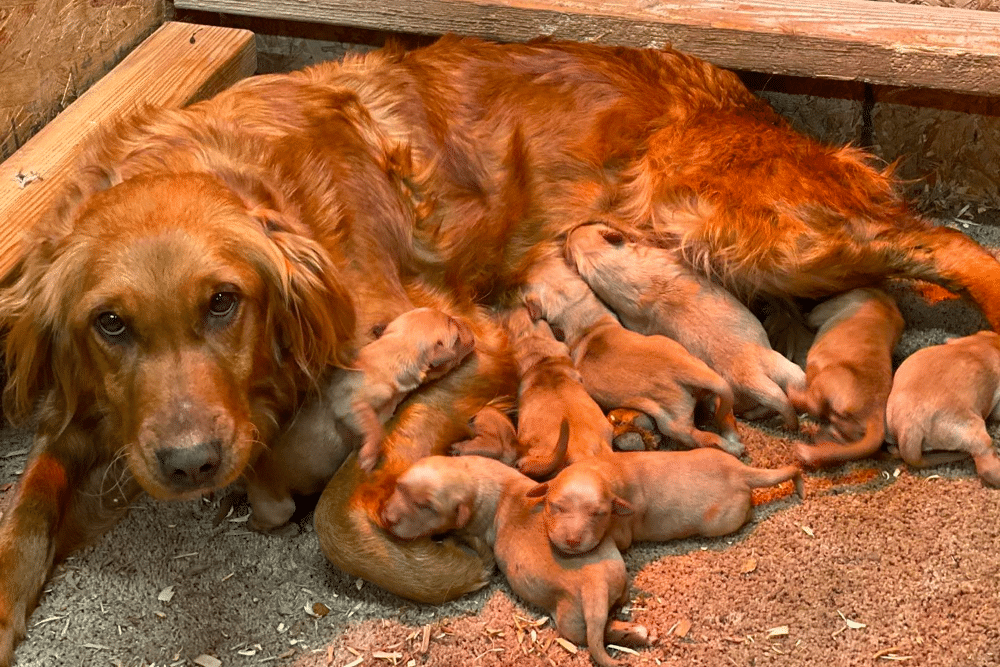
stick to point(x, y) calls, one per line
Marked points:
point(493, 435)
point(625, 369)
point(652, 496)
point(484, 498)
point(418, 346)
point(652, 292)
point(551, 390)
point(849, 375)
point(940, 400)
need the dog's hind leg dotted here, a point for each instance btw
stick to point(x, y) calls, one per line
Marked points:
point(948, 258)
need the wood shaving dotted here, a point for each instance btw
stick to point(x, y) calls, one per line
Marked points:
point(623, 649)
point(853, 625)
point(207, 661)
point(166, 595)
point(808, 531)
point(749, 565)
point(780, 631)
point(682, 628)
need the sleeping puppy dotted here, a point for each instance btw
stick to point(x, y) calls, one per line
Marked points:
point(485, 498)
point(625, 369)
point(551, 390)
point(849, 375)
point(209, 265)
point(419, 346)
point(654, 496)
point(940, 401)
point(653, 292)
point(493, 435)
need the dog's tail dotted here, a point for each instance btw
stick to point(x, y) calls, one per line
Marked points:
point(827, 453)
point(760, 477)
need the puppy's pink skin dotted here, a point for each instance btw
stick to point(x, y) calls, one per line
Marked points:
point(849, 375)
point(652, 292)
point(940, 401)
point(486, 499)
point(652, 496)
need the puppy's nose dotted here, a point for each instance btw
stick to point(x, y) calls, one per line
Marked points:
point(190, 467)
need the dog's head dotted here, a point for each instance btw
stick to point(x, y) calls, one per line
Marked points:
point(579, 508)
point(180, 313)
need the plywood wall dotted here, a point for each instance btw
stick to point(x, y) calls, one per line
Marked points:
point(52, 50)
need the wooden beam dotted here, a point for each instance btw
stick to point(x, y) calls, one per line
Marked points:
point(177, 64)
point(879, 42)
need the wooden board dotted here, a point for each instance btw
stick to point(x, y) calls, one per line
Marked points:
point(878, 42)
point(177, 64)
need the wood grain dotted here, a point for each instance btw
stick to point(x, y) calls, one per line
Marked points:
point(178, 64)
point(878, 42)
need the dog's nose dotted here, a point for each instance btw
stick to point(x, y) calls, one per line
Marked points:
point(190, 467)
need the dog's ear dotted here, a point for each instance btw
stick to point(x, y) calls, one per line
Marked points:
point(538, 491)
point(312, 311)
point(40, 353)
point(621, 507)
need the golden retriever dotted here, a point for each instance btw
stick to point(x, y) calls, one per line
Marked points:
point(210, 265)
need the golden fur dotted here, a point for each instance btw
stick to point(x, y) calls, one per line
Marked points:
point(329, 201)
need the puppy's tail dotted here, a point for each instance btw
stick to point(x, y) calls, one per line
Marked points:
point(829, 453)
point(760, 477)
point(542, 464)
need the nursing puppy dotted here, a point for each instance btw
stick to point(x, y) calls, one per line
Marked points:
point(653, 292)
point(625, 369)
point(419, 346)
point(940, 401)
point(493, 435)
point(849, 375)
point(551, 390)
point(651, 496)
point(484, 498)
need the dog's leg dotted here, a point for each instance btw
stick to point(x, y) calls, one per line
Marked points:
point(58, 506)
point(950, 259)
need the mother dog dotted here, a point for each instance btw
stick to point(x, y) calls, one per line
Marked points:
point(210, 265)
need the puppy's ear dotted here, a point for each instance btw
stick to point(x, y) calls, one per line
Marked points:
point(312, 309)
point(538, 491)
point(621, 507)
point(462, 515)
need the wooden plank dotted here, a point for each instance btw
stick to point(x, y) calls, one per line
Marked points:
point(177, 64)
point(878, 42)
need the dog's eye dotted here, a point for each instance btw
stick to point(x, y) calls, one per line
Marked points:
point(613, 237)
point(223, 304)
point(111, 325)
